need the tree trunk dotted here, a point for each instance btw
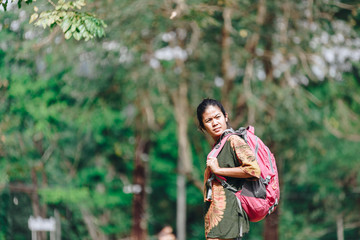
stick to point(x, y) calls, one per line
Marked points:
point(35, 202)
point(180, 102)
point(340, 227)
point(44, 185)
point(93, 229)
point(181, 207)
point(139, 227)
point(271, 226)
point(227, 69)
point(143, 122)
point(34, 195)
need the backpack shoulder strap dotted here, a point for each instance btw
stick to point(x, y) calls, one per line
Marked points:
point(251, 129)
point(217, 148)
point(214, 153)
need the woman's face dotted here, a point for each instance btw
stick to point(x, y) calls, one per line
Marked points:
point(215, 122)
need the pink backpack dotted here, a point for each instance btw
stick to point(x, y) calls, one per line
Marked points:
point(257, 198)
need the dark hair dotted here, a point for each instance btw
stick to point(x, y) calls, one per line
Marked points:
point(202, 107)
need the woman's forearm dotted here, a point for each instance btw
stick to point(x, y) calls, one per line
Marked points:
point(235, 172)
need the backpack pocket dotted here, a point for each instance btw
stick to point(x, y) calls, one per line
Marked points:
point(254, 189)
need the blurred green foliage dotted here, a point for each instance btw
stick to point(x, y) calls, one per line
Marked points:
point(71, 111)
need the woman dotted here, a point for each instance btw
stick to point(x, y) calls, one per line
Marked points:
point(224, 218)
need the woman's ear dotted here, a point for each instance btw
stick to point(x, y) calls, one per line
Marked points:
point(226, 117)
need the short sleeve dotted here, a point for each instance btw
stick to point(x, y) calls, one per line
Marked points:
point(245, 156)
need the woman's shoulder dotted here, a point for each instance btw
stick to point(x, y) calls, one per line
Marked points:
point(236, 140)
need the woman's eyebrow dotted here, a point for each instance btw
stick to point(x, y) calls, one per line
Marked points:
point(207, 118)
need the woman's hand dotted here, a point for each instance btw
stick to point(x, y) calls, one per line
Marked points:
point(213, 164)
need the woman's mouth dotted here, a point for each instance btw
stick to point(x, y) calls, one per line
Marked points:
point(217, 129)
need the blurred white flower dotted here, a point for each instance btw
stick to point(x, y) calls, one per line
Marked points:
point(219, 82)
point(170, 53)
point(154, 63)
point(169, 36)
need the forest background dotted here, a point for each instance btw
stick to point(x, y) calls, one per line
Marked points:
point(102, 131)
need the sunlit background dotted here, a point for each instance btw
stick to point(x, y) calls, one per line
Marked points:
point(98, 129)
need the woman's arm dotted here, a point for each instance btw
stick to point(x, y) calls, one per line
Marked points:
point(236, 172)
point(249, 168)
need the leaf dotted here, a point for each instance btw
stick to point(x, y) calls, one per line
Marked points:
point(74, 26)
point(87, 36)
point(87, 23)
point(100, 32)
point(77, 35)
point(84, 24)
point(65, 25)
point(79, 4)
point(68, 35)
point(33, 17)
point(82, 29)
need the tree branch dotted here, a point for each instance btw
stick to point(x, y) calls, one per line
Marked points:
point(94, 231)
point(180, 8)
point(47, 40)
point(339, 134)
point(53, 4)
point(346, 6)
point(195, 36)
point(20, 187)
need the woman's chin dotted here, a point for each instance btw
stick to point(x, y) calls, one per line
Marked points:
point(216, 136)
